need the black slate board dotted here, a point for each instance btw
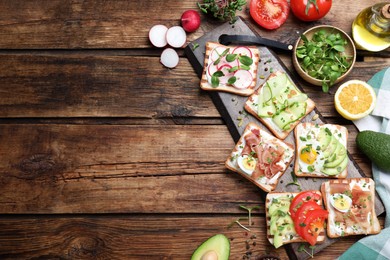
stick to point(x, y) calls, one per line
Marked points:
point(231, 108)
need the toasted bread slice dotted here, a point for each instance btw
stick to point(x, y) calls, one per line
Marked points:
point(355, 216)
point(275, 157)
point(246, 80)
point(291, 237)
point(253, 107)
point(321, 150)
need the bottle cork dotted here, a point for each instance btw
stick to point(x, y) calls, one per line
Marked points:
point(386, 11)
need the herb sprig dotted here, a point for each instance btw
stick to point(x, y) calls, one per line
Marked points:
point(222, 9)
point(302, 248)
point(323, 57)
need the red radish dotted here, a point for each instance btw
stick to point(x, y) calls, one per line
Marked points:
point(190, 20)
point(176, 36)
point(169, 58)
point(243, 51)
point(243, 79)
point(157, 35)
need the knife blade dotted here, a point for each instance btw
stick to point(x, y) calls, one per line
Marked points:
point(227, 39)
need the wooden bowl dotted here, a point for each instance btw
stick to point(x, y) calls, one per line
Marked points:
point(350, 50)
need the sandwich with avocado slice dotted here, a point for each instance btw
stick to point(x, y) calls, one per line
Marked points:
point(321, 150)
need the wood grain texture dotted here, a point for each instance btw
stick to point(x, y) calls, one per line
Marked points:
point(99, 86)
point(56, 24)
point(136, 237)
point(127, 237)
point(96, 85)
point(106, 154)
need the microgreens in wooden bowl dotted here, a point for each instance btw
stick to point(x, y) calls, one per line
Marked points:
point(324, 55)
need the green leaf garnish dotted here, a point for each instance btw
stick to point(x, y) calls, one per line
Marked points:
point(245, 60)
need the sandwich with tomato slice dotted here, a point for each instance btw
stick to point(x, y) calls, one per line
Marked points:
point(295, 217)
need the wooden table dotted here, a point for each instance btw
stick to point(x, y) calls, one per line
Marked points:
point(106, 154)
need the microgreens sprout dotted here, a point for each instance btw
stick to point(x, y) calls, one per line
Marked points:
point(222, 9)
point(294, 182)
point(249, 209)
point(323, 57)
point(249, 218)
point(302, 248)
point(237, 221)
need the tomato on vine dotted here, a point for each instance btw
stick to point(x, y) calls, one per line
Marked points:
point(310, 10)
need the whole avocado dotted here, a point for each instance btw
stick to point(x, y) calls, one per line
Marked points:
point(377, 148)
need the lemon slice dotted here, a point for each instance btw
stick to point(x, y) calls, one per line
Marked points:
point(354, 99)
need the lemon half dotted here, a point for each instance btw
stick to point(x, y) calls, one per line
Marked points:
point(355, 99)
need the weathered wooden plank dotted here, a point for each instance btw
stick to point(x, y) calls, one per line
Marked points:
point(99, 86)
point(135, 237)
point(125, 237)
point(91, 84)
point(77, 24)
point(119, 168)
point(90, 169)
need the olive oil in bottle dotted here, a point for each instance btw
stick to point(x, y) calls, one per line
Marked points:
point(371, 28)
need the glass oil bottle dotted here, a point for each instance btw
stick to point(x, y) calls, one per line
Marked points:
point(371, 28)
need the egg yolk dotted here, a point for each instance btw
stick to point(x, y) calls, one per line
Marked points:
point(341, 203)
point(249, 163)
point(308, 155)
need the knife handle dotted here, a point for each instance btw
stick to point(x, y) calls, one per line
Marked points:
point(247, 39)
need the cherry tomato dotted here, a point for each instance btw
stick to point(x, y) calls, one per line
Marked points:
point(270, 14)
point(310, 10)
point(301, 215)
point(302, 197)
point(314, 225)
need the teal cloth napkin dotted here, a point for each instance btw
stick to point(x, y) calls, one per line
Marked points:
point(376, 246)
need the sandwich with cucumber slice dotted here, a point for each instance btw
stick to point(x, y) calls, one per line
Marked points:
point(279, 104)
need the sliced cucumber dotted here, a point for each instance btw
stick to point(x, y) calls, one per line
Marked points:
point(265, 106)
point(298, 109)
point(300, 97)
point(291, 114)
point(277, 83)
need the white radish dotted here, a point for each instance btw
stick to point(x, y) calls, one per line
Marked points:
point(243, 51)
point(226, 74)
point(176, 36)
point(169, 58)
point(243, 79)
point(157, 35)
point(211, 69)
point(216, 52)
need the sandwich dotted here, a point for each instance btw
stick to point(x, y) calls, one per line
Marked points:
point(321, 150)
point(295, 217)
point(260, 157)
point(351, 206)
point(230, 69)
point(279, 104)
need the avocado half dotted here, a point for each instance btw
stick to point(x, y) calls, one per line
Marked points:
point(215, 246)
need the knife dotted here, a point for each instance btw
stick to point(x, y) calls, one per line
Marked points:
point(227, 39)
